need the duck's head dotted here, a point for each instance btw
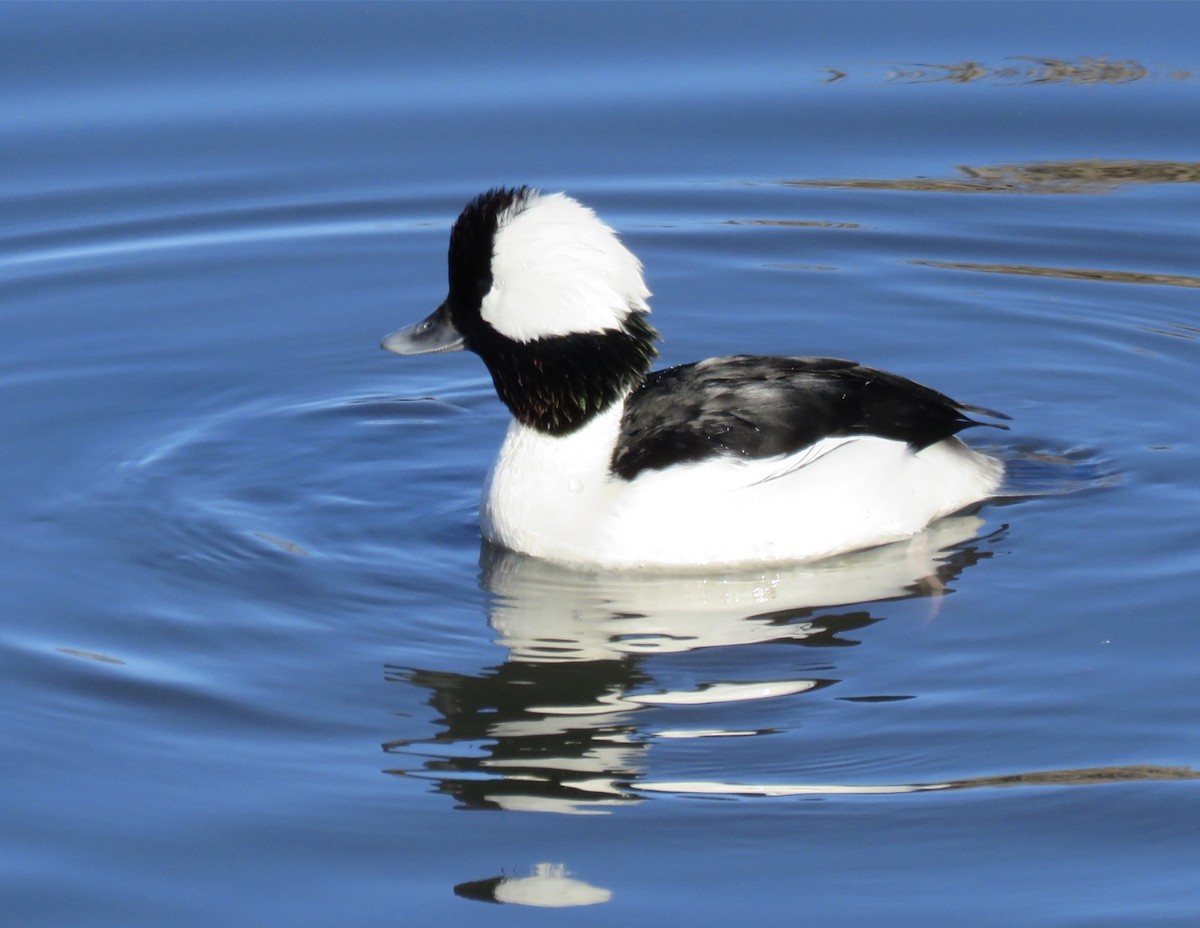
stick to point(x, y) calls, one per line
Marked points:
point(549, 298)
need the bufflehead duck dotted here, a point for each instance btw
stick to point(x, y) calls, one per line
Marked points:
point(725, 461)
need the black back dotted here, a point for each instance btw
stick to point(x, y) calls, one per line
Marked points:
point(760, 407)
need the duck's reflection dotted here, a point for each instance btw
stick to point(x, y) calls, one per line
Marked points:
point(565, 722)
point(548, 886)
point(544, 612)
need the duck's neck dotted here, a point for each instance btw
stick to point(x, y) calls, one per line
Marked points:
point(556, 385)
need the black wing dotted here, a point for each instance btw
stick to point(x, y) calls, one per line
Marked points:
point(759, 407)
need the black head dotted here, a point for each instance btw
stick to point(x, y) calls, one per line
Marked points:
point(549, 298)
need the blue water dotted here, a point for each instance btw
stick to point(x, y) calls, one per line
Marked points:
point(258, 668)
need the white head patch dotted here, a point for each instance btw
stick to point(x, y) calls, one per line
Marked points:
point(558, 270)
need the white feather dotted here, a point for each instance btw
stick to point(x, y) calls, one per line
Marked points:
point(554, 497)
point(558, 270)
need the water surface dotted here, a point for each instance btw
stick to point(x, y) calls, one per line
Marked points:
point(258, 664)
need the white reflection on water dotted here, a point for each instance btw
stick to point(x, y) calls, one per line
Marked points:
point(1086, 776)
point(549, 886)
point(545, 612)
point(567, 721)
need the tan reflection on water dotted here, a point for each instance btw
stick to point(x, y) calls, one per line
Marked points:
point(1021, 71)
point(1028, 69)
point(794, 223)
point(1085, 176)
point(1067, 273)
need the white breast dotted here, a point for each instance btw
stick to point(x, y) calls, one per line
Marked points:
point(554, 498)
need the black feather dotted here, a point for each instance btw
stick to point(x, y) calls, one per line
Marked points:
point(554, 384)
point(557, 384)
point(761, 407)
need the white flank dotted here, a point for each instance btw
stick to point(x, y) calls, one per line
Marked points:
point(559, 270)
point(554, 498)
